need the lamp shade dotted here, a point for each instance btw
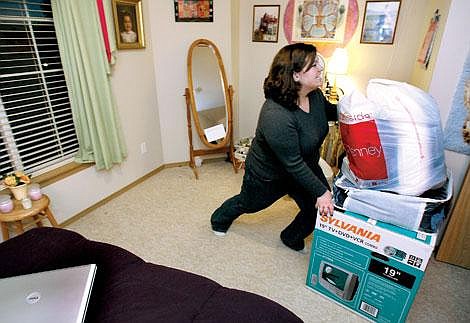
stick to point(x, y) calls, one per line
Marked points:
point(338, 63)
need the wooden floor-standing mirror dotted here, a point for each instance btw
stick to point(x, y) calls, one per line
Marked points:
point(208, 103)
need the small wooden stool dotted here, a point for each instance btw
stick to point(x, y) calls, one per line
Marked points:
point(37, 213)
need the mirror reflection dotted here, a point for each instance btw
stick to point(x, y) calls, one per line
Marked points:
point(208, 89)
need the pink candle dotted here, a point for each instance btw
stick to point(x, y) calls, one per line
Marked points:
point(34, 192)
point(6, 204)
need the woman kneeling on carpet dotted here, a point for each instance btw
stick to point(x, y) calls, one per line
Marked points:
point(283, 158)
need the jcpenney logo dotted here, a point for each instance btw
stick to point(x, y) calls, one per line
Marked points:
point(370, 151)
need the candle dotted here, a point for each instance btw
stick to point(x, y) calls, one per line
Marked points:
point(6, 204)
point(34, 192)
point(26, 202)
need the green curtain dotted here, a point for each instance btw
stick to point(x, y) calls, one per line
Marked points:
point(87, 75)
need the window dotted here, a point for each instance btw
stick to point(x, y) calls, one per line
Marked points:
point(36, 125)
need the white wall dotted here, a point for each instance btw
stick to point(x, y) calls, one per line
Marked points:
point(254, 61)
point(133, 83)
point(171, 41)
point(394, 61)
point(454, 49)
point(421, 77)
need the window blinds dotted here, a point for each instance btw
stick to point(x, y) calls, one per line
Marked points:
point(36, 124)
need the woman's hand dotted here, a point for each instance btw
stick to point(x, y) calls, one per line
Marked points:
point(325, 204)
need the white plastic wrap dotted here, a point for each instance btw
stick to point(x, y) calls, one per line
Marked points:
point(424, 213)
point(393, 138)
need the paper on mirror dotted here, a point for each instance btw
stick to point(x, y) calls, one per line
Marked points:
point(214, 133)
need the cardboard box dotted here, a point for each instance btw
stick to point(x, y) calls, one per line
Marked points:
point(370, 267)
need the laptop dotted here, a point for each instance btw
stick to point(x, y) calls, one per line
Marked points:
point(51, 296)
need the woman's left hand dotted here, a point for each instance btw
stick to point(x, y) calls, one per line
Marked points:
point(325, 203)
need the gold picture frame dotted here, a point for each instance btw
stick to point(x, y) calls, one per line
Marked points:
point(129, 27)
point(380, 22)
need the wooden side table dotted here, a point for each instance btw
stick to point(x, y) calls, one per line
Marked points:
point(38, 212)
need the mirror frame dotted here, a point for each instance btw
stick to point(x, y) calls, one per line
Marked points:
point(226, 89)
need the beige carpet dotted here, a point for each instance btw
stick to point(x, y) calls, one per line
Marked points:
point(165, 220)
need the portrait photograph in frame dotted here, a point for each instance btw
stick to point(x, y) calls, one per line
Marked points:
point(194, 10)
point(128, 24)
point(380, 22)
point(266, 23)
point(319, 21)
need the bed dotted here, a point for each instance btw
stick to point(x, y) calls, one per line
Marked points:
point(128, 289)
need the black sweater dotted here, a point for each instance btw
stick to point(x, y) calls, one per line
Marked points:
point(287, 143)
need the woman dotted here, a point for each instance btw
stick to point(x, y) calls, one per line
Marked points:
point(283, 158)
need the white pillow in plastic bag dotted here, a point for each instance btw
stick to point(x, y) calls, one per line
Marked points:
point(393, 138)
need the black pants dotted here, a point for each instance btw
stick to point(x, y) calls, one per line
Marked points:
point(257, 194)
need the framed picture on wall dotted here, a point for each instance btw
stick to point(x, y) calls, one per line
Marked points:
point(380, 22)
point(194, 10)
point(265, 23)
point(128, 24)
point(319, 21)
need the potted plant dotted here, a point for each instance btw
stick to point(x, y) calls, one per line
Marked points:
point(17, 182)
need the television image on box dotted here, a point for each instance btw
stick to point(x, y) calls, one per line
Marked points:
point(338, 280)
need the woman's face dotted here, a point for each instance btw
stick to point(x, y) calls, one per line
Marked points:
point(311, 78)
point(127, 22)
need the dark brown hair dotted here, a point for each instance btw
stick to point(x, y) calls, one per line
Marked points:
point(279, 85)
